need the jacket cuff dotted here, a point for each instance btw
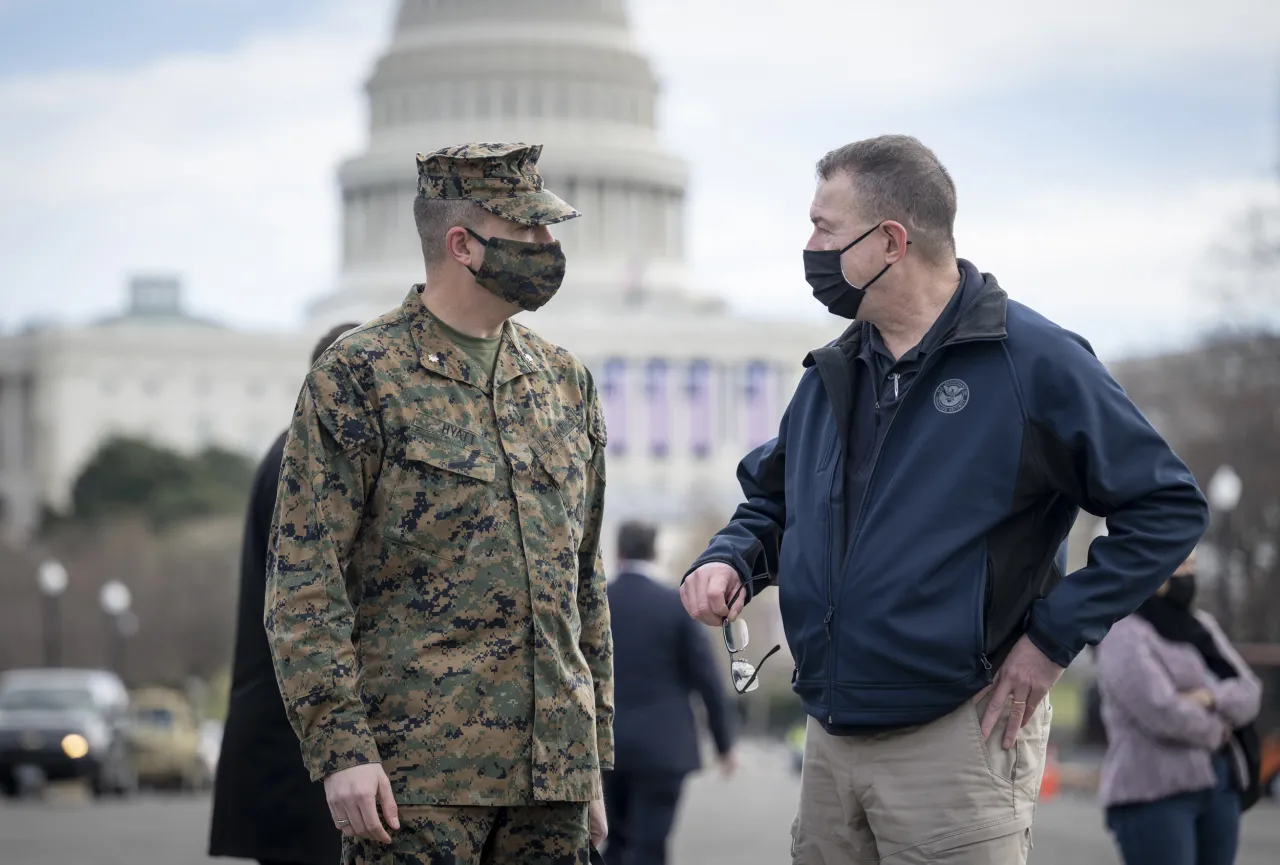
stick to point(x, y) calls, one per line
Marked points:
point(338, 746)
point(1052, 648)
point(733, 561)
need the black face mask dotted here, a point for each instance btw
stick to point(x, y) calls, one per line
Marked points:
point(824, 274)
point(1181, 591)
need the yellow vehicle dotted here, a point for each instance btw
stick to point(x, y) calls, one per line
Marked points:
point(167, 741)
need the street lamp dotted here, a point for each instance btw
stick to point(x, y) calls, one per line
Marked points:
point(52, 579)
point(116, 599)
point(1225, 489)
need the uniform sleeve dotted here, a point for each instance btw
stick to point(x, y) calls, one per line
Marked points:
point(596, 639)
point(331, 461)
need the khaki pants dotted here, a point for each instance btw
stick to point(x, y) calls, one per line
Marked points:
point(935, 793)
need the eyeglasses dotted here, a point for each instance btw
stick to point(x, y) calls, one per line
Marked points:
point(736, 637)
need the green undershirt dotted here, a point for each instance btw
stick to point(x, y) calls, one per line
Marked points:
point(483, 350)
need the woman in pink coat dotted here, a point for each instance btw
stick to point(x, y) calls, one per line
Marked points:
point(1174, 694)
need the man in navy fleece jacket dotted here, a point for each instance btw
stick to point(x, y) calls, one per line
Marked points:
point(924, 477)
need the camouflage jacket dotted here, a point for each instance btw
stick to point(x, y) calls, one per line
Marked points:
point(435, 598)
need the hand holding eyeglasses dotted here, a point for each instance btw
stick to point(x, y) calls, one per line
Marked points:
point(713, 594)
point(706, 593)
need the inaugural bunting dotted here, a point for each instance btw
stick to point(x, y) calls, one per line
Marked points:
point(700, 408)
point(613, 392)
point(659, 420)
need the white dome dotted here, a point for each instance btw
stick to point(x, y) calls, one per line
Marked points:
point(561, 73)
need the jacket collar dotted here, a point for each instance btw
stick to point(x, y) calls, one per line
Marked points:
point(440, 355)
point(982, 317)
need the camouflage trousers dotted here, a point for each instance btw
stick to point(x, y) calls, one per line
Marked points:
point(552, 834)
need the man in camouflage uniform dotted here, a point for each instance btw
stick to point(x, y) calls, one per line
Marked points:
point(436, 603)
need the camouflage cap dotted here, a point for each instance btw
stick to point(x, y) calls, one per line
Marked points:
point(501, 178)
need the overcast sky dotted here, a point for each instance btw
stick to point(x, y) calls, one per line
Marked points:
point(1099, 147)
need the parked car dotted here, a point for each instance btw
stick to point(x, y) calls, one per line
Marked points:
point(62, 724)
point(168, 741)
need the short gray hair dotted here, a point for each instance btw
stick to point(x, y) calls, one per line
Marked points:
point(435, 216)
point(896, 177)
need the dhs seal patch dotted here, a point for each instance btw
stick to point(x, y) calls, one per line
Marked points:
point(951, 396)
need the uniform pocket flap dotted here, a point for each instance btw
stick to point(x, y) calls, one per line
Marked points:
point(453, 457)
point(566, 456)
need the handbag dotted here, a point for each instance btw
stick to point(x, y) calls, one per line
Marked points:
point(1249, 744)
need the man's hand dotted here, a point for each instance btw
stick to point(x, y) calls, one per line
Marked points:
point(1202, 697)
point(706, 593)
point(729, 763)
point(1025, 678)
point(597, 822)
point(354, 796)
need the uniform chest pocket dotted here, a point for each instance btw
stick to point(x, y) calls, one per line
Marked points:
point(444, 497)
point(566, 459)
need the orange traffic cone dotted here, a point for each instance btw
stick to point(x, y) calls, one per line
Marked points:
point(1051, 783)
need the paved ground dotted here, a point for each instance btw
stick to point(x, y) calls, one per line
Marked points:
point(741, 822)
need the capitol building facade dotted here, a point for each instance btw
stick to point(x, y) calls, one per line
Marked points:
point(689, 386)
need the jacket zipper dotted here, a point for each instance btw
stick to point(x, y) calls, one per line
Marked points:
point(875, 464)
point(833, 552)
point(838, 556)
point(988, 590)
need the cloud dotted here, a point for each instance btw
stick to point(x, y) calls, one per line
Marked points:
point(1096, 241)
point(219, 166)
point(767, 59)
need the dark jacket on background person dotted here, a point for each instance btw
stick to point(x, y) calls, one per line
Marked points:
point(661, 658)
point(967, 475)
point(265, 805)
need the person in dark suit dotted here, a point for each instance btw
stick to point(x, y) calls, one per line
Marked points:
point(265, 806)
point(660, 658)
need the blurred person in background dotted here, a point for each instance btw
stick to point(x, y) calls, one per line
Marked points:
point(1178, 703)
point(436, 600)
point(661, 659)
point(910, 511)
point(265, 807)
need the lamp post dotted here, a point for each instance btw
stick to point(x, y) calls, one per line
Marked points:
point(116, 600)
point(52, 579)
point(1225, 489)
